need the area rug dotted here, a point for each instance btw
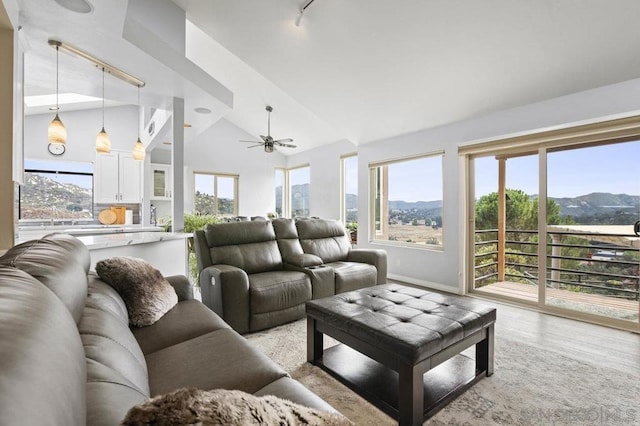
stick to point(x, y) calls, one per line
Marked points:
point(531, 386)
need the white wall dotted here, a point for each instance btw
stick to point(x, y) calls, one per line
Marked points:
point(217, 150)
point(121, 123)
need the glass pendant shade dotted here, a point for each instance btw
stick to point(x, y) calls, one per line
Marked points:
point(103, 143)
point(57, 132)
point(138, 150)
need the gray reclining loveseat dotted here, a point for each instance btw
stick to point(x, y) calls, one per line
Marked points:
point(259, 274)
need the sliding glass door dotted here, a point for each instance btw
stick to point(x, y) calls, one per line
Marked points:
point(554, 227)
point(592, 254)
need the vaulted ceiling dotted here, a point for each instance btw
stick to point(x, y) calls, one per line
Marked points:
point(360, 70)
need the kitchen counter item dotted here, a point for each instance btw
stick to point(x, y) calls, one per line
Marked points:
point(107, 217)
point(120, 213)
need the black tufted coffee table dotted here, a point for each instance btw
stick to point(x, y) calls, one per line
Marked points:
point(401, 346)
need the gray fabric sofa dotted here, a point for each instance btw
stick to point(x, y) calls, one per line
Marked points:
point(69, 357)
point(259, 274)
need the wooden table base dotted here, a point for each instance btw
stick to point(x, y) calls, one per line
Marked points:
point(408, 393)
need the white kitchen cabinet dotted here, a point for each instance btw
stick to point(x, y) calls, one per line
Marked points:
point(117, 178)
point(161, 178)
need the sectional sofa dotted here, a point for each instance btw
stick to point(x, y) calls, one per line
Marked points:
point(259, 274)
point(68, 355)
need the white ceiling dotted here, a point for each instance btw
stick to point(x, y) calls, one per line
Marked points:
point(361, 70)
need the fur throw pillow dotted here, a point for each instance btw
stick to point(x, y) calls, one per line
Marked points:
point(226, 407)
point(146, 293)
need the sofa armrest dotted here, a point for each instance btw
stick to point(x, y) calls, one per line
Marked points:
point(375, 257)
point(225, 290)
point(182, 286)
point(303, 260)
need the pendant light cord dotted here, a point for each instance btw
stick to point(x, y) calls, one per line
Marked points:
point(139, 112)
point(103, 98)
point(57, 106)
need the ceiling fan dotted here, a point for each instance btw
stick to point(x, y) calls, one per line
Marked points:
point(267, 141)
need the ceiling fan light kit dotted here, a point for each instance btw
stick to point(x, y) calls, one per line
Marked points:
point(268, 142)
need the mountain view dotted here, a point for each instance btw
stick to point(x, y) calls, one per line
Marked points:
point(42, 197)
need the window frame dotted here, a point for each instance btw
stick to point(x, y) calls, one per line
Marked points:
point(343, 185)
point(376, 179)
point(236, 190)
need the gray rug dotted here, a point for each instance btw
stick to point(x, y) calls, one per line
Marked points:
point(531, 386)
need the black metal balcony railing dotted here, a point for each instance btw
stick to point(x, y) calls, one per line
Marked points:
point(571, 262)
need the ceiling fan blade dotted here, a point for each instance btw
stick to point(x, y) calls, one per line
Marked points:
point(286, 145)
point(253, 146)
point(284, 140)
point(264, 138)
point(249, 141)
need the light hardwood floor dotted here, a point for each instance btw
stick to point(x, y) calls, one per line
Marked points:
point(590, 343)
point(579, 340)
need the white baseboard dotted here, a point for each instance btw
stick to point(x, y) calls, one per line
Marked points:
point(423, 283)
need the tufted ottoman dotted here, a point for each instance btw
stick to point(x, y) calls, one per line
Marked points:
point(392, 335)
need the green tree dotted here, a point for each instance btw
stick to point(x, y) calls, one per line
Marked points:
point(521, 211)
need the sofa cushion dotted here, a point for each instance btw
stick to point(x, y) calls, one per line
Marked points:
point(146, 293)
point(273, 291)
point(326, 239)
point(220, 359)
point(105, 298)
point(109, 395)
point(58, 262)
point(185, 321)
point(251, 257)
point(237, 233)
point(227, 407)
point(42, 372)
point(109, 342)
point(287, 236)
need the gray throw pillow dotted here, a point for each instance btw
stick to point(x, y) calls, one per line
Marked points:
point(146, 293)
point(226, 407)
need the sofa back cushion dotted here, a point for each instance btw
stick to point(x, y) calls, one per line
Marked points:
point(43, 374)
point(250, 246)
point(58, 261)
point(287, 236)
point(117, 375)
point(326, 239)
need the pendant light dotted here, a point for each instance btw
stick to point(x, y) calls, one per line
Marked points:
point(103, 143)
point(138, 147)
point(57, 133)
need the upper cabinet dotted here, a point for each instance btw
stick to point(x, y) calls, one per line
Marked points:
point(161, 178)
point(117, 178)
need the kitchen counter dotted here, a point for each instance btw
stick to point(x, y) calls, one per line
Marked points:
point(26, 233)
point(166, 251)
point(120, 239)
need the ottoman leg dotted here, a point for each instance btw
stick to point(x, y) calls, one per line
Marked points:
point(314, 341)
point(484, 352)
point(410, 395)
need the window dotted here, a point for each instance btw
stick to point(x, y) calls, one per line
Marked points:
point(279, 186)
point(349, 190)
point(407, 200)
point(299, 182)
point(56, 191)
point(216, 194)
